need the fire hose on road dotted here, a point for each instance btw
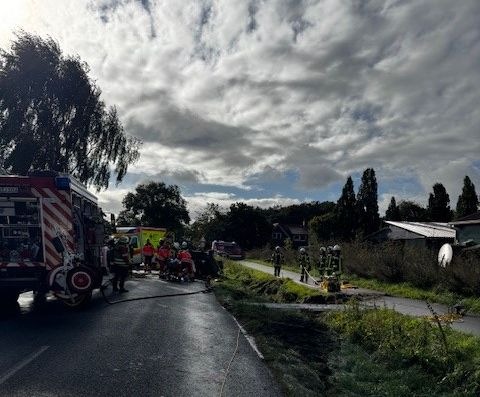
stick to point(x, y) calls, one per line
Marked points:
point(208, 289)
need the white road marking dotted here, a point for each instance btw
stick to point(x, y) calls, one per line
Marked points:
point(27, 360)
point(249, 339)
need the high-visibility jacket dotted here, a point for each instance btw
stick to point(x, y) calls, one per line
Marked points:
point(304, 261)
point(148, 250)
point(184, 256)
point(121, 255)
point(163, 253)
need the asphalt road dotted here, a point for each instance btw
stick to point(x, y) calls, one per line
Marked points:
point(179, 346)
point(468, 323)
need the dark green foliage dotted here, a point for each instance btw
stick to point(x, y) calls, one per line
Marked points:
point(467, 203)
point(52, 117)
point(210, 224)
point(393, 212)
point(346, 212)
point(367, 203)
point(324, 227)
point(247, 226)
point(413, 212)
point(299, 213)
point(155, 204)
point(438, 208)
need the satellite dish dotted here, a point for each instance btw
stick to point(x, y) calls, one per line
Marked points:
point(445, 255)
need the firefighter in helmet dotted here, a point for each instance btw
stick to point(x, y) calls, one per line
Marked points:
point(121, 261)
point(304, 263)
point(322, 260)
point(336, 260)
point(277, 260)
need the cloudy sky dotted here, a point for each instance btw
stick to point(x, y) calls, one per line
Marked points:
point(277, 102)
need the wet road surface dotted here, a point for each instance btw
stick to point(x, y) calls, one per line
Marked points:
point(412, 307)
point(177, 346)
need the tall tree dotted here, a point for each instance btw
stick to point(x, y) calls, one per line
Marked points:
point(413, 212)
point(367, 203)
point(247, 226)
point(392, 213)
point(158, 205)
point(346, 212)
point(210, 224)
point(52, 117)
point(468, 201)
point(438, 208)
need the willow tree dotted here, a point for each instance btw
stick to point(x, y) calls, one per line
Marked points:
point(52, 117)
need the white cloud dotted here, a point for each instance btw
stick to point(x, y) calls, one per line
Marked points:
point(223, 91)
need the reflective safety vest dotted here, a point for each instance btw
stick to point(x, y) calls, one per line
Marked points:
point(304, 261)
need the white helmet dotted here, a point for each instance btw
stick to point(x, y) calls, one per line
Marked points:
point(277, 248)
point(302, 250)
point(323, 249)
point(123, 240)
point(184, 244)
point(336, 247)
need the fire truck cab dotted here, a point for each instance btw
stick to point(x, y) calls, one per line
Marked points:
point(51, 235)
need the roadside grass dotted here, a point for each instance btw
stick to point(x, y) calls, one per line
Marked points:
point(415, 349)
point(246, 284)
point(403, 289)
point(406, 290)
point(353, 352)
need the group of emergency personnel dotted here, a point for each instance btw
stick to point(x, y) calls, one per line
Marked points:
point(329, 262)
point(170, 259)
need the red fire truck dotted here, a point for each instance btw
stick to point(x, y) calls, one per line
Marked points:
point(51, 235)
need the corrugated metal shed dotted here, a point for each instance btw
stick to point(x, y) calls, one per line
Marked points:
point(426, 229)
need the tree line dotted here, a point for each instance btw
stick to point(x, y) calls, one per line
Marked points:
point(353, 216)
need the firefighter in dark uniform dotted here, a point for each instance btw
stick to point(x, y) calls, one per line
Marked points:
point(277, 260)
point(121, 261)
point(336, 260)
point(304, 263)
point(322, 261)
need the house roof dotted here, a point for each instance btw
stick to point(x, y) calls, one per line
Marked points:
point(426, 229)
point(297, 229)
point(469, 219)
point(291, 229)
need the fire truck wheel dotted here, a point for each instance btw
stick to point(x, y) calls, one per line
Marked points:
point(78, 301)
point(80, 279)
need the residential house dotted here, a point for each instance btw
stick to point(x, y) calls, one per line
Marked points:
point(297, 234)
point(468, 229)
point(430, 235)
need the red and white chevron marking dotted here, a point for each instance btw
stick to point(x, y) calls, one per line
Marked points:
point(56, 214)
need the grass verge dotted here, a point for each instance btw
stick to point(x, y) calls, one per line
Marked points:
point(354, 352)
point(403, 290)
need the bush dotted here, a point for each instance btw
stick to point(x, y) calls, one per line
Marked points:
point(394, 263)
point(401, 341)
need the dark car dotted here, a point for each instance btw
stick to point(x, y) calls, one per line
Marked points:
point(227, 249)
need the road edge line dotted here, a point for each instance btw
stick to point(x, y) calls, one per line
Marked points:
point(27, 360)
point(250, 339)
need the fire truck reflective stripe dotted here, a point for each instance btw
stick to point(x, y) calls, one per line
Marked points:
point(60, 201)
point(60, 212)
point(54, 219)
point(52, 257)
